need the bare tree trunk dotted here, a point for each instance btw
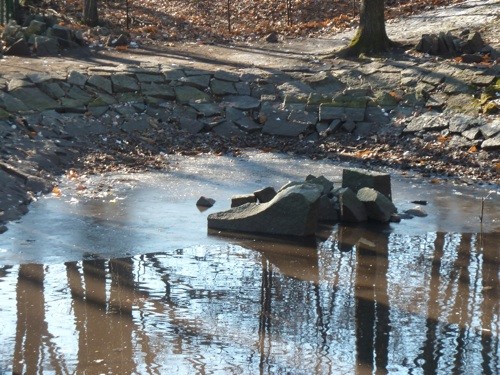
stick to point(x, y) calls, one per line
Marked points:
point(371, 36)
point(90, 16)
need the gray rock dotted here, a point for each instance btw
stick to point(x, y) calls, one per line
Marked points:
point(198, 81)
point(355, 114)
point(366, 129)
point(473, 44)
point(295, 91)
point(228, 129)
point(482, 79)
point(243, 88)
point(377, 115)
point(35, 27)
point(173, 74)
point(76, 78)
point(327, 129)
point(356, 179)
point(53, 89)
point(121, 40)
point(351, 209)
point(248, 124)
point(328, 212)
point(205, 202)
point(324, 83)
point(472, 134)
point(62, 34)
point(46, 46)
point(428, 44)
point(124, 83)
point(11, 103)
point(378, 206)
point(233, 114)
point(17, 83)
point(185, 94)
point(226, 76)
point(139, 124)
point(416, 211)
point(101, 83)
point(150, 78)
point(239, 200)
point(322, 181)
point(349, 126)
point(426, 121)
point(490, 129)
point(292, 212)
point(191, 125)
point(265, 195)
point(491, 143)
point(329, 112)
point(274, 126)
point(77, 93)
point(35, 99)
point(272, 37)
point(221, 88)
point(303, 117)
point(459, 122)
point(245, 103)
point(436, 101)
point(206, 109)
point(158, 90)
point(18, 48)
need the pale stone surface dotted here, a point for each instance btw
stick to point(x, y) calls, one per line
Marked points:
point(293, 212)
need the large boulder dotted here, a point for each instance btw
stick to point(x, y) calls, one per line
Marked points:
point(293, 212)
point(355, 179)
point(378, 206)
point(351, 208)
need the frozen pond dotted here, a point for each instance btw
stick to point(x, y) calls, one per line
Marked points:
point(127, 280)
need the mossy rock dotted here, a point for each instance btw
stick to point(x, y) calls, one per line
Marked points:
point(490, 108)
point(463, 103)
point(385, 99)
point(493, 89)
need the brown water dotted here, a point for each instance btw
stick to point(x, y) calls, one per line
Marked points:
point(394, 303)
point(132, 283)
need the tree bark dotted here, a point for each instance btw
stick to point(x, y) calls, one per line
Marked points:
point(371, 36)
point(90, 16)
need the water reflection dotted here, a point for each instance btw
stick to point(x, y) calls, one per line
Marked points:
point(356, 302)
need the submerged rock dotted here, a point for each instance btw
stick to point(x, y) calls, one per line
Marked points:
point(293, 211)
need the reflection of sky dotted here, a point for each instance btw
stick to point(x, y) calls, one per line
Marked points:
point(152, 212)
point(226, 309)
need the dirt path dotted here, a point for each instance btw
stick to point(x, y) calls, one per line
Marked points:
point(286, 55)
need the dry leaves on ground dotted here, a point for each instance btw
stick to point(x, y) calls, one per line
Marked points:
point(215, 20)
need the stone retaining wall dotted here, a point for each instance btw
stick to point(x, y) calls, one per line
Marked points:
point(364, 99)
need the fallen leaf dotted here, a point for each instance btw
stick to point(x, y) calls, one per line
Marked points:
point(473, 149)
point(56, 191)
